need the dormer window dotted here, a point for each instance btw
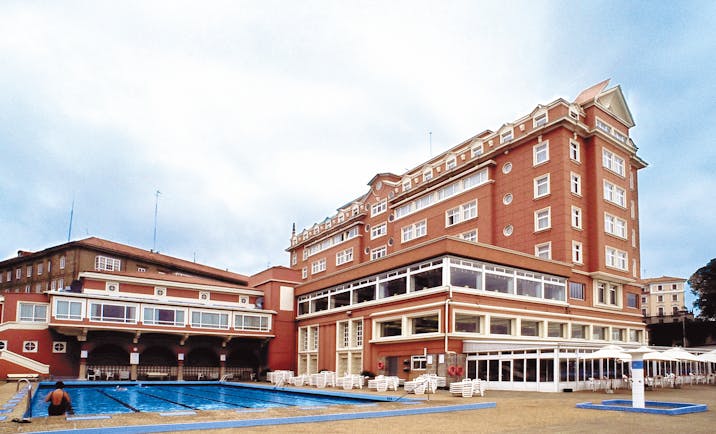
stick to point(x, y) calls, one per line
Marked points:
point(539, 119)
point(477, 150)
point(506, 136)
point(407, 184)
point(451, 163)
point(428, 175)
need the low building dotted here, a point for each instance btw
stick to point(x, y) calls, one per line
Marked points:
point(663, 300)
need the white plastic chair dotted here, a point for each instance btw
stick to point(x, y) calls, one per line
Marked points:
point(94, 374)
point(468, 388)
point(347, 382)
point(381, 385)
point(419, 389)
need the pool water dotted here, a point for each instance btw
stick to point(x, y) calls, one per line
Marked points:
point(167, 397)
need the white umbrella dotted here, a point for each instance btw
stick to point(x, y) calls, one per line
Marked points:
point(707, 357)
point(609, 352)
point(681, 354)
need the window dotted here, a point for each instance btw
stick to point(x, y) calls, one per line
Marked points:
point(163, 316)
point(574, 150)
point(29, 271)
point(18, 274)
point(344, 256)
point(674, 297)
point(530, 328)
point(461, 213)
point(542, 219)
point(251, 322)
point(608, 293)
point(144, 270)
point(576, 217)
point(507, 168)
point(390, 328)
point(378, 208)
point(467, 323)
point(612, 162)
point(556, 330)
point(477, 150)
point(451, 163)
point(304, 272)
point(318, 266)
point(378, 231)
point(507, 230)
point(211, 320)
point(507, 199)
point(428, 175)
point(59, 347)
point(539, 119)
point(104, 263)
point(31, 312)
point(600, 333)
point(113, 313)
point(3, 345)
point(540, 153)
point(414, 231)
point(469, 236)
point(66, 309)
point(579, 331)
point(500, 326)
point(660, 298)
point(615, 226)
point(407, 184)
point(616, 258)
point(544, 250)
point(418, 363)
point(575, 184)
point(541, 186)
point(576, 290)
point(577, 252)
point(40, 268)
point(632, 300)
point(378, 252)
point(506, 136)
point(294, 258)
point(62, 262)
point(29, 347)
point(614, 194)
point(424, 324)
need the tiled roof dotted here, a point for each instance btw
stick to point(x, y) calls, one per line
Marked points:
point(662, 279)
point(168, 278)
point(590, 93)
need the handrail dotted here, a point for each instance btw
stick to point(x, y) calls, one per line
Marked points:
point(21, 380)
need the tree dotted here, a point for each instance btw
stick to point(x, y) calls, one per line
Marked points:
point(703, 285)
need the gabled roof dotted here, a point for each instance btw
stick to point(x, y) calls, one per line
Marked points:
point(662, 279)
point(611, 100)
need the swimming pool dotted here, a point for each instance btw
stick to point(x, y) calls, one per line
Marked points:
point(131, 397)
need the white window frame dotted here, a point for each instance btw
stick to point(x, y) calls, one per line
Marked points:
point(30, 346)
point(577, 252)
point(576, 217)
point(575, 183)
point(507, 136)
point(378, 252)
point(106, 263)
point(304, 272)
point(614, 194)
point(378, 208)
point(613, 162)
point(544, 250)
point(542, 181)
point(477, 150)
point(540, 118)
point(414, 231)
point(615, 258)
point(378, 231)
point(35, 316)
point(407, 184)
point(574, 151)
point(469, 235)
point(616, 226)
point(450, 163)
point(427, 175)
point(69, 316)
point(59, 347)
point(459, 214)
point(540, 153)
point(344, 256)
point(542, 215)
point(318, 266)
point(609, 289)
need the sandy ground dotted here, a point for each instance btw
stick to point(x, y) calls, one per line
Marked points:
point(516, 412)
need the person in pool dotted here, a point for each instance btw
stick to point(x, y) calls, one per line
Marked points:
point(59, 400)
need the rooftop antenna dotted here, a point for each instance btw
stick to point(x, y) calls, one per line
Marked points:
point(72, 213)
point(156, 206)
point(430, 143)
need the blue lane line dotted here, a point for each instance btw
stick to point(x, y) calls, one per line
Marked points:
point(138, 429)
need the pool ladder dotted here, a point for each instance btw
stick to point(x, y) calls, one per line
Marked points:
point(28, 406)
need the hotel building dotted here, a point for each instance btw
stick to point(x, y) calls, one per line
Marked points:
point(502, 258)
point(106, 310)
point(663, 300)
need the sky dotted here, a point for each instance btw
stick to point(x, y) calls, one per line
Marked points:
point(250, 116)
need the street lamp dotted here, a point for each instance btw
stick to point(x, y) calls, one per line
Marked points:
point(684, 312)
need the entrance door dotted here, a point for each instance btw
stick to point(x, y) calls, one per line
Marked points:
point(391, 366)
